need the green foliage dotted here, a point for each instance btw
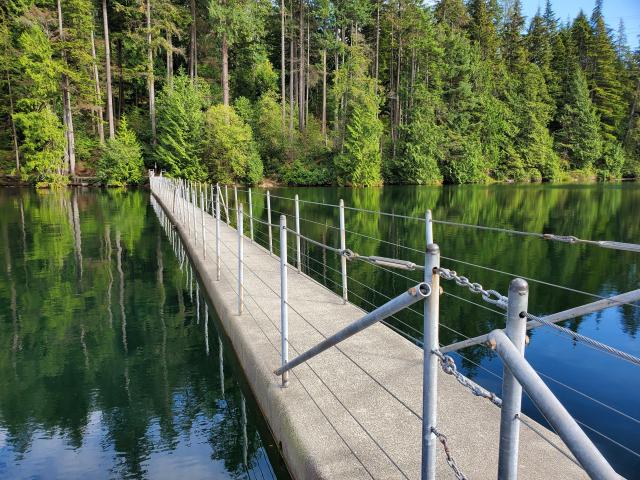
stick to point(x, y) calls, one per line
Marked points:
point(423, 148)
point(42, 147)
point(610, 165)
point(121, 161)
point(230, 152)
point(180, 117)
point(359, 163)
point(578, 139)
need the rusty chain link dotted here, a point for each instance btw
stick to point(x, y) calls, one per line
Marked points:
point(450, 461)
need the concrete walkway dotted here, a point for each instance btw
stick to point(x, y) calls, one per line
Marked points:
point(354, 411)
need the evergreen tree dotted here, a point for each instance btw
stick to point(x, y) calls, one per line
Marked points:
point(605, 82)
point(578, 139)
point(181, 107)
point(514, 53)
point(359, 163)
point(483, 29)
point(121, 161)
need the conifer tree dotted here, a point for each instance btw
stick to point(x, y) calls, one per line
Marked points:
point(578, 139)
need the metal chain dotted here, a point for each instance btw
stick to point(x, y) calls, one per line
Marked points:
point(452, 463)
point(490, 296)
point(449, 367)
point(589, 341)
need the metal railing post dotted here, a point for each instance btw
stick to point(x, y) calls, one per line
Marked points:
point(269, 222)
point(204, 243)
point(218, 232)
point(206, 198)
point(429, 227)
point(212, 202)
point(297, 202)
point(193, 210)
point(284, 313)
point(430, 362)
point(226, 202)
point(235, 197)
point(343, 259)
point(187, 198)
point(250, 214)
point(239, 224)
point(516, 330)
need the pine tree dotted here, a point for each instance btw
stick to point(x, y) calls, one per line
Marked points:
point(578, 139)
point(181, 107)
point(514, 53)
point(605, 82)
point(483, 29)
point(360, 162)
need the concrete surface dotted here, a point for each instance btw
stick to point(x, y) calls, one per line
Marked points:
point(352, 412)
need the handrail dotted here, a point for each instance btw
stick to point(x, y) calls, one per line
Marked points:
point(574, 438)
point(393, 306)
point(585, 309)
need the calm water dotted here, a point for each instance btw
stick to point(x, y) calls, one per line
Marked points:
point(111, 364)
point(108, 368)
point(574, 372)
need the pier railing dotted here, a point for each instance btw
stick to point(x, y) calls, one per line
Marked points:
point(184, 197)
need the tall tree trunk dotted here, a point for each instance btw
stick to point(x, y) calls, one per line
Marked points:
point(96, 78)
point(193, 52)
point(150, 79)
point(66, 100)
point(169, 58)
point(324, 94)
point(291, 74)
point(121, 83)
point(14, 133)
point(282, 66)
point(377, 64)
point(301, 69)
point(225, 70)
point(306, 80)
point(107, 61)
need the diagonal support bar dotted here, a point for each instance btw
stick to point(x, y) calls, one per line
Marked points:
point(616, 300)
point(413, 295)
point(562, 422)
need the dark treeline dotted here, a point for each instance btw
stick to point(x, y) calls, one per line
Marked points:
point(354, 92)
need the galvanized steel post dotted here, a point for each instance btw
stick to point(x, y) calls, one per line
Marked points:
point(204, 243)
point(269, 222)
point(206, 198)
point(284, 314)
point(226, 203)
point(516, 330)
point(239, 223)
point(193, 210)
point(297, 203)
point(235, 197)
point(430, 362)
point(217, 232)
point(343, 259)
point(428, 219)
point(250, 214)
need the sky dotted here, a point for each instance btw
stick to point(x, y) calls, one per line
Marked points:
point(613, 10)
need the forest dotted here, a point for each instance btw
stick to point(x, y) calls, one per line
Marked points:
point(314, 92)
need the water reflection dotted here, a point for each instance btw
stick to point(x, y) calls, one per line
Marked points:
point(105, 367)
point(607, 211)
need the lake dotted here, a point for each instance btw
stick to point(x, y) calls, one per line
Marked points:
point(108, 367)
point(111, 362)
point(601, 391)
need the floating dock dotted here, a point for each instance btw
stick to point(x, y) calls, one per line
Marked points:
point(353, 412)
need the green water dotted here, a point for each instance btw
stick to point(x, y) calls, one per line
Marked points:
point(108, 369)
point(111, 363)
point(601, 212)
